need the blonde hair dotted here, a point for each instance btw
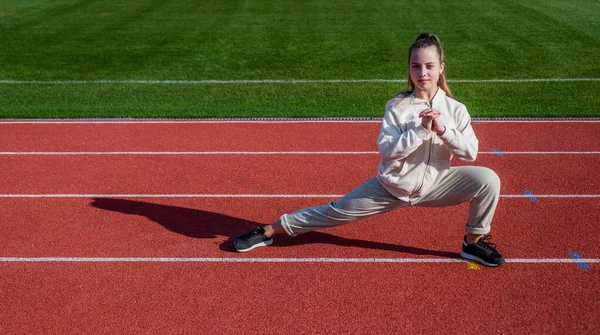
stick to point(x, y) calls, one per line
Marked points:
point(426, 40)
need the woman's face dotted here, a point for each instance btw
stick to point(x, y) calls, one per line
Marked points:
point(425, 69)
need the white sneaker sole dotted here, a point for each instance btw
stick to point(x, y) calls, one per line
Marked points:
point(476, 259)
point(261, 244)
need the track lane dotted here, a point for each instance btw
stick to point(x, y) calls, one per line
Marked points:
point(274, 136)
point(190, 137)
point(287, 174)
point(195, 228)
point(197, 297)
point(544, 136)
point(295, 298)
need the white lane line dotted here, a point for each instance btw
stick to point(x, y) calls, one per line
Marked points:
point(284, 260)
point(280, 260)
point(590, 120)
point(278, 81)
point(266, 121)
point(550, 195)
point(117, 121)
point(171, 195)
point(189, 153)
point(540, 152)
point(199, 195)
point(272, 153)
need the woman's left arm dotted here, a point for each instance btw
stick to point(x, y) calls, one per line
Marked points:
point(461, 141)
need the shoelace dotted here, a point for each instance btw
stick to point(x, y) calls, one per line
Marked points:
point(250, 233)
point(486, 242)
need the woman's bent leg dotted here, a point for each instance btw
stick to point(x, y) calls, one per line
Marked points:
point(479, 186)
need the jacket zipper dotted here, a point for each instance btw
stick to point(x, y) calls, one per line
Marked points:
point(426, 166)
point(428, 160)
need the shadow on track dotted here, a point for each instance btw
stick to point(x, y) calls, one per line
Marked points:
point(204, 224)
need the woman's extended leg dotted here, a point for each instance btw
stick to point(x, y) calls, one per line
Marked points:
point(366, 200)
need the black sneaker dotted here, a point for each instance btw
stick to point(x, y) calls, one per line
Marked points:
point(483, 252)
point(252, 239)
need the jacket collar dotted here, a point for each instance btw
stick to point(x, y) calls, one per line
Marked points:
point(439, 95)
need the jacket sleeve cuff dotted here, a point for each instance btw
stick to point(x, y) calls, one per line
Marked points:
point(447, 136)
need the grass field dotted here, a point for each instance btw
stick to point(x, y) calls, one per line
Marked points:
point(55, 55)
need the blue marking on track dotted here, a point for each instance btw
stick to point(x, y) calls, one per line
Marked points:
point(498, 152)
point(581, 265)
point(531, 196)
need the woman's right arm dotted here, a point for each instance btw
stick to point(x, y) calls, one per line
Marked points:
point(393, 143)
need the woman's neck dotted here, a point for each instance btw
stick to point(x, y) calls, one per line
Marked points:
point(425, 95)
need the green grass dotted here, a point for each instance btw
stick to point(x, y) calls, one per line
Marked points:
point(48, 40)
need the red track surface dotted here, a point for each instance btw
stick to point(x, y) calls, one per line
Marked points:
point(360, 136)
point(159, 298)
point(203, 228)
point(298, 298)
point(276, 174)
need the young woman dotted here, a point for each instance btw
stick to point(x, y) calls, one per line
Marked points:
point(422, 129)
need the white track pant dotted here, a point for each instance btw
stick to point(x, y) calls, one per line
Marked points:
point(478, 185)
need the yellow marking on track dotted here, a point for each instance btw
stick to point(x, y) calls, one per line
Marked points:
point(473, 266)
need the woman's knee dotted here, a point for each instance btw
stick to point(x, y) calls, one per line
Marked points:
point(489, 178)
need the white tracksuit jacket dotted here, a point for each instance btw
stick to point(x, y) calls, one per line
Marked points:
point(413, 160)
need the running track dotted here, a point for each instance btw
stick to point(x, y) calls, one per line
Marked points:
point(124, 227)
